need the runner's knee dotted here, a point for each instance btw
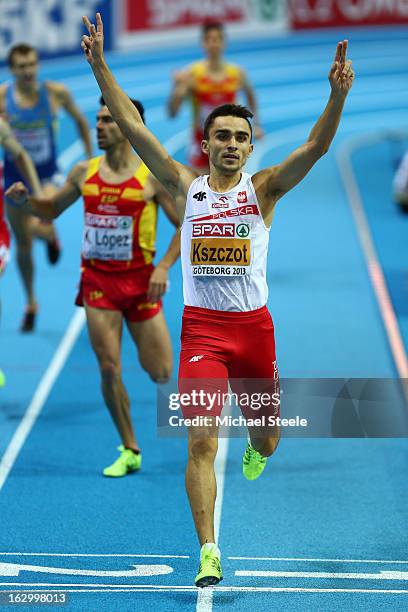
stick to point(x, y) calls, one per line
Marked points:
point(110, 370)
point(159, 372)
point(161, 376)
point(202, 447)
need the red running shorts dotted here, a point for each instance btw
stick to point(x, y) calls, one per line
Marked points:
point(125, 292)
point(217, 347)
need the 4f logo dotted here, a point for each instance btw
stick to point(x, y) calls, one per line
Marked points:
point(200, 196)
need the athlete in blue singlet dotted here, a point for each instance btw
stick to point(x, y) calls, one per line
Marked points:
point(30, 107)
point(34, 129)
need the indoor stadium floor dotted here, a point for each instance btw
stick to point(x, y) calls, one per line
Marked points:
point(325, 526)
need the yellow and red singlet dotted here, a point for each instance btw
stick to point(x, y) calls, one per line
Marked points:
point(119, 224)
point(209, 92)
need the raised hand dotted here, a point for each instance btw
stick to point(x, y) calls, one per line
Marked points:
point(341, 74)
point(17, 193)
point(92, 45)
point(182, 82)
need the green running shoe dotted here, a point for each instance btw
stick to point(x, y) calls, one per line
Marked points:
point(127, 462)
point(253, 463)
point(209, 572)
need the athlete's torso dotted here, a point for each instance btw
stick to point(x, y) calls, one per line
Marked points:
point(119, 224)
point(208, 92)
point(224, 245)
point(34, 129)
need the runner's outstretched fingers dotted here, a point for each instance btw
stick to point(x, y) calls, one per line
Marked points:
point(341, 74)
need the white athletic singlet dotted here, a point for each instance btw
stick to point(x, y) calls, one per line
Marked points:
point(224, 245)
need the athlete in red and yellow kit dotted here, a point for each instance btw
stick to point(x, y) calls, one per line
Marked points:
point(209, 83)
point(118, 279)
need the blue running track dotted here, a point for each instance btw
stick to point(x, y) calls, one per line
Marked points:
point(325, 528)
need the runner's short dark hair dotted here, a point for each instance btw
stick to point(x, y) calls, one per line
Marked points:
point(212, 25)
point(227, 110)
point(20, 49)
point(135, 102)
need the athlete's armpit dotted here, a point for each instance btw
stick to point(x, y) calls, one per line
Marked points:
point(77, 175)
point(267, 196)
point(60, 95)
point(173, 207)
point(272, 183)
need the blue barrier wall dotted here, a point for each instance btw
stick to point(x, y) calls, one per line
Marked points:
point(53, 26)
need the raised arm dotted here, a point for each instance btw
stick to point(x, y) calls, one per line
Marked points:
point(21, 158)
point(251, 103)
point(272, 183)
point(182, 87)
point(175, 177)
point(49, 208)
point(66, 101)
point(159, 278)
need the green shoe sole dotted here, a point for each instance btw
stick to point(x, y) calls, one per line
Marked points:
point(207, 581)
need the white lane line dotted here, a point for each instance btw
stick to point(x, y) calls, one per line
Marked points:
point(18, 554)
point(316, 559)
point(375, 271)
point(64, 348)
point(128, 588)
point(65, 159)
point(41, 394)
point(298, 133)
point(376, 275)
point(261, 71)
point(281, 137)
point(205, 596)
point(383, 575)
point(14, 569)
point(391, 50)
point(204, 599)
point(312, 106)
point(176, 142)
point(159, 556)
point(72, 153)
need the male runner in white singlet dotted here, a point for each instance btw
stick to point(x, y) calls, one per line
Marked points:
point(225, 217)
